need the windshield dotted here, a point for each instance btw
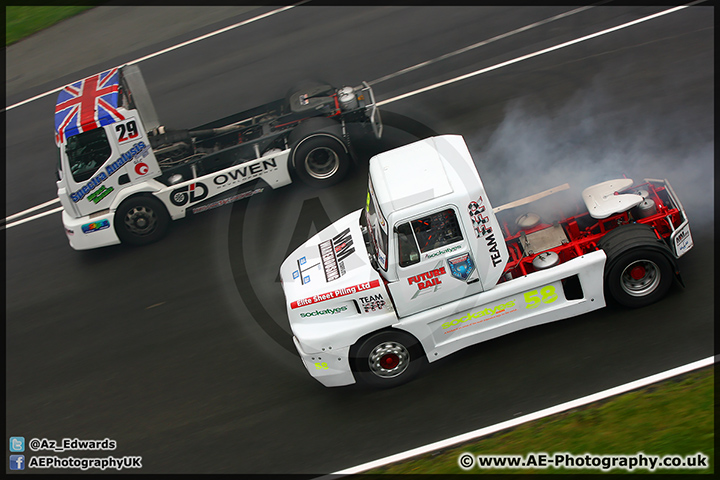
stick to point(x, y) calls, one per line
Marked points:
point(377, 227)
point(87, 152)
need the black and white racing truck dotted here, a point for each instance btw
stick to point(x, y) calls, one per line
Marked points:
point(122, 176)
point(429, 267)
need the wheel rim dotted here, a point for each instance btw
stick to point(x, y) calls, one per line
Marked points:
point(322, 162)
point(141, 220)
point(640, 278)
point(389, 359)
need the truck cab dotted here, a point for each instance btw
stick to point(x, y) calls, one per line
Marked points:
point(122, 176)
point(429, 246)
point(101, 125)
point(429, 267)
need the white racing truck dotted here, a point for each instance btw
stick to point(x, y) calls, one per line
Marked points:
point(428, 267)
point(121, 176)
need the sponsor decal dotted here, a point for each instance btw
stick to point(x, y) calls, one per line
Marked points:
point(372, 303)
point(475, 211)
point(328, 311)
point(300, 272)
point(335, 294)
point(189, 193)
point(492, 248)
point(481, 316)
point(88, 187)
point(138, 149)
point(141, 168)
point(427, 279)
point(461, 266)
point(228, 200)
point(442, 252)
point(333, 252)
point(683, 241)
point(101, 193)
point(245, 172)
point(96, 226)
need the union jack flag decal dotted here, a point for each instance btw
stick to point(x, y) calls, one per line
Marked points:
point(87, 104)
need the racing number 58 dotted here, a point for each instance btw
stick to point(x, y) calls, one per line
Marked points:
point(127, 131)
point(547, 295)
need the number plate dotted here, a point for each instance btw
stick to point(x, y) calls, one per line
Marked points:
point(683, 241)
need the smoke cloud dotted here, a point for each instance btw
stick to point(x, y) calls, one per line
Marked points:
point(595, 136)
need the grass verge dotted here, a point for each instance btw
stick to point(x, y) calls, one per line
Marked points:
point(21, 22)
point(675, 417)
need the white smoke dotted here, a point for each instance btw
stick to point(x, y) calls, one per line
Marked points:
point(596, 136)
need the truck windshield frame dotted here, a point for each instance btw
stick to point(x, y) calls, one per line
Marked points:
point(87, 152)
point(377, 226)
point(425, 234)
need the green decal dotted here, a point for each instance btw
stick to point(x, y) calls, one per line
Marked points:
point(547, 295)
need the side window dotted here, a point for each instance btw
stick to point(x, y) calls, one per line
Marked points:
point(426, 234)
point(407, 246)
point(87, 152)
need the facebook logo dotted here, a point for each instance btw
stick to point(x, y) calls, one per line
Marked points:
point(17, 462)
point(17, 444)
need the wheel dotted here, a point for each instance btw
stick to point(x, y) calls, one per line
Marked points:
point(141, 220)
point(320, 160)
point(387, 359)
point(639, 277)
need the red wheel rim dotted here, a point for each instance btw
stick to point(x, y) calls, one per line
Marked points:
point(389, 361)
point(637, 272)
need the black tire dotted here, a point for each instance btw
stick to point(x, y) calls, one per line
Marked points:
point(141, 220)
point(320, 160)
point(639, 277)
point(386, 359)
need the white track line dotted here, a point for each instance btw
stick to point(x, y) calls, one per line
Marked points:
point(175, 47)
point(479, 44)
point(643, 382)
point(30, 210)
point(530, 55)
point(34, 217)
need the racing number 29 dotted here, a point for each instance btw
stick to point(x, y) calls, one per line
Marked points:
point(547, 295)
point(126, 131)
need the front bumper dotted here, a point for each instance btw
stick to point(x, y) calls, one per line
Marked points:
point(331, 368)
point(85, 232)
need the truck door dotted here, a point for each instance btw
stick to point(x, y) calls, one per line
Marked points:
point(435, 264)
point(102, 161)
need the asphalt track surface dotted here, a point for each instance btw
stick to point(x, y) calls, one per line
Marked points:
point(180, 351)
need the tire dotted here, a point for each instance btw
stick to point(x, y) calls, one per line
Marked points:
point(141, 220)
point(639, 277)
point(320, 160)
point(386, 359)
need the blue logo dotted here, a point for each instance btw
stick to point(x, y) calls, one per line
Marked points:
point(296, 274)
point(17, 444)
point(306, 279)
point(302, 261)
point(461, 266)
point(96, 226)
point(17, 462)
